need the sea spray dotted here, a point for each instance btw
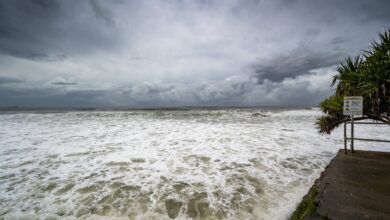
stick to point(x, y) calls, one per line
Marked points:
point(194, 163)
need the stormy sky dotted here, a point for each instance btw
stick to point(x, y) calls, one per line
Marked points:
point(170, 53)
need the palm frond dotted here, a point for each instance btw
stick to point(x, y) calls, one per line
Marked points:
point(367, 75)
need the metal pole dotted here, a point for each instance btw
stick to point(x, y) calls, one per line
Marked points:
point(352, 148)
point(374, 140)
point(345, 138)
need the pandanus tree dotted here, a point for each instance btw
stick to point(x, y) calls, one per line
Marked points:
point(367, 75)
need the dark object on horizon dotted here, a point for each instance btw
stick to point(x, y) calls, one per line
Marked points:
point(368, 76)
point(258, 115)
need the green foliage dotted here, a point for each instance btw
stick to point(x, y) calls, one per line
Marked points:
point(306, 207)
point(368, 76)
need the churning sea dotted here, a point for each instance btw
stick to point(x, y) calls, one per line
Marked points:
point(160, 164)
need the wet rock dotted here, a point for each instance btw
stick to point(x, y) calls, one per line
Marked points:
point(173, 207)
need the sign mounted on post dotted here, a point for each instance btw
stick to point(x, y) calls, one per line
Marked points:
point(353, 105)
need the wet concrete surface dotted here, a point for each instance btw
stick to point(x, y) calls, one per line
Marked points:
point(354, 186)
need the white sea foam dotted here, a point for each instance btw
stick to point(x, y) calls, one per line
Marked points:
point(212, 164)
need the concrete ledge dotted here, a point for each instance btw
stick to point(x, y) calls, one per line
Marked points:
point(353, 186)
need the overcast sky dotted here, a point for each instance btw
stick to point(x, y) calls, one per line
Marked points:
point(169, 53)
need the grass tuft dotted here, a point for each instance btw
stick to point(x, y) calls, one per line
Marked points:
point(307, 206)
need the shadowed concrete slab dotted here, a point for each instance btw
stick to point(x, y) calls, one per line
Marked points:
point(354, 186)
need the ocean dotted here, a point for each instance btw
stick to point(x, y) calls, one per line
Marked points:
point(160, 164)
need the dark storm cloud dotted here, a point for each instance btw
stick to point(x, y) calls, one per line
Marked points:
point(50, 98)
point(101, 12)
point(64, 83)
point(362, 10)
point(225, 93)
point(172, 53)
point(376, 10)
point(298, 62)
point(338, 40)
point(51, 29)
point(7, 80)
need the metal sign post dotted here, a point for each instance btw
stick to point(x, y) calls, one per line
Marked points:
point(345, 138)
point(353, 105)
point(352, 127)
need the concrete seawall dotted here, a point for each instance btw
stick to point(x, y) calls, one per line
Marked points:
point(353, 186)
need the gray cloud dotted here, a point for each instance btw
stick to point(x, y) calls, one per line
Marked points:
point(236, 90)
point(50, 98)
point(102, 13)
point(52, 29)
point(64, 83)
point(178, 53)
point(294, 63)
point(375, 10)
point(8, 80)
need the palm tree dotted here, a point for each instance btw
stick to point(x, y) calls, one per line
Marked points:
point(368, 76)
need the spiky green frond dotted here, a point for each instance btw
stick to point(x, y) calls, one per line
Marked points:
point(368, 76)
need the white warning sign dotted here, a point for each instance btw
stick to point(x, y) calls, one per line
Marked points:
point(353, 105)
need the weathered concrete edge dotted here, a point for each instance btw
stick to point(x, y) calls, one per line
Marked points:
point(307, 208)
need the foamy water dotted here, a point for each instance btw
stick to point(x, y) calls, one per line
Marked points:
point(188, 164)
